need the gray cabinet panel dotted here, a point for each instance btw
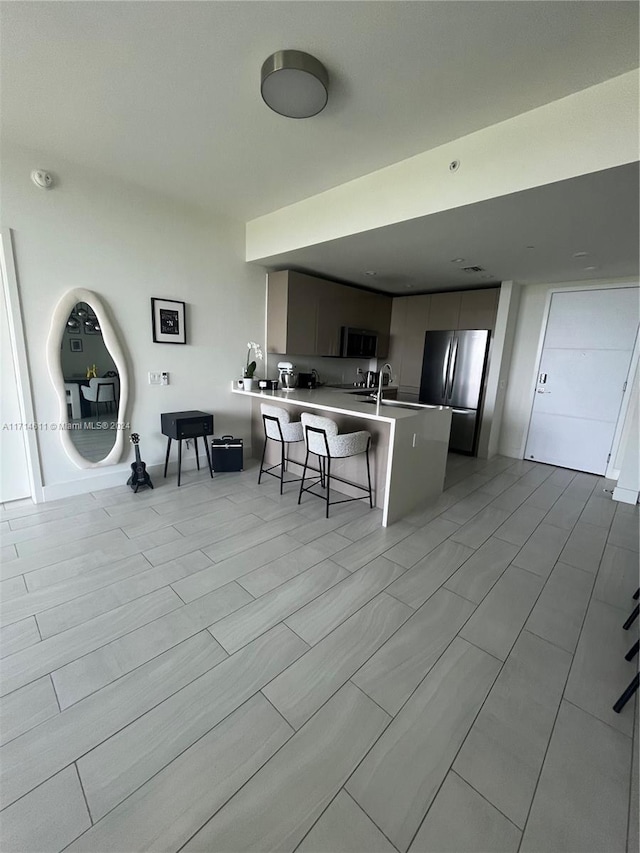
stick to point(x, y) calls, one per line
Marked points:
point(305, 314)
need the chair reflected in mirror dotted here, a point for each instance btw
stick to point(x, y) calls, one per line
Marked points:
point(104, 390)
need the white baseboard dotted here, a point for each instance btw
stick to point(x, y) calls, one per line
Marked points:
point(626, 496)
point(114, 476)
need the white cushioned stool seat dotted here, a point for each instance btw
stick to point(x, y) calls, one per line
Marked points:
point(291, 430)
point(322, 439)
point(347, 444)
point(279, 427)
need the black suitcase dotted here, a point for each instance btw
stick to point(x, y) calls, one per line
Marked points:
point(226, 454)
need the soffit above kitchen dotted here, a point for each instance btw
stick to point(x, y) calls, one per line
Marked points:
point(584, 228)
point(166, 95)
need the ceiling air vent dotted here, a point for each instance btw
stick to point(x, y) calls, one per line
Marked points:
point(472, 269)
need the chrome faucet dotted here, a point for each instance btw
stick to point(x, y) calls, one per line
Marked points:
point(378, 395)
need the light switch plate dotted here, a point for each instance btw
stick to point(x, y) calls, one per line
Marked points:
point(155, 378)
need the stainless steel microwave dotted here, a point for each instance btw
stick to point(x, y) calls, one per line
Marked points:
point(358, 343)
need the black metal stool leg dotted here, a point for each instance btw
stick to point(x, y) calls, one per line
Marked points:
point(166, 458)
point(304, 473)
point(179, 459)
point(195, 441)
point(328, 481)
point(206, 449)
point(264, 452)
point(628, 693)
point(633, 651)
point(369, 479)
point(632, 618)
point(282, 458)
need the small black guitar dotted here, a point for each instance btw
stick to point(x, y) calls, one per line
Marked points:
point(139, 476)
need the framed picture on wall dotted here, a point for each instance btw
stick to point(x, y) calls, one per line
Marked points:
point(75, 344)
point(167, 316)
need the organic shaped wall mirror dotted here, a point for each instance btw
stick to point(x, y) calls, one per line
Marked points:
point(88, 370)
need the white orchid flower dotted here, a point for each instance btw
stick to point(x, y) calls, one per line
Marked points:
point(251, 365)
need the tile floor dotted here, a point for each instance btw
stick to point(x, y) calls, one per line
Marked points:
point(215, 668)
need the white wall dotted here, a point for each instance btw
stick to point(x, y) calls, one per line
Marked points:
point(497, 375)
point(522, 371)
point(128, 245)
point(628, 455)
point(14, 477)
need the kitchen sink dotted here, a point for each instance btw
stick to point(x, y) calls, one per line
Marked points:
point(399, 404)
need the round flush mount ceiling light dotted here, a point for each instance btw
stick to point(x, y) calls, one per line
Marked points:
point(294, 84)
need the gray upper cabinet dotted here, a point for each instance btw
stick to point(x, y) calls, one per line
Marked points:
point(305, 314)
point(292, 313)
point(478, 309)
point(418, 312)
point(444, 311)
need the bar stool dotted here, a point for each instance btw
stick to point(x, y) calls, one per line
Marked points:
point(633, 651)
point(322, 439)
point(278, 427)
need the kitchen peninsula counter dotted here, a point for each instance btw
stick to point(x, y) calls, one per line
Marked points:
point(409, 444)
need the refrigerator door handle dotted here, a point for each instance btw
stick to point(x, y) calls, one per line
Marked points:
point(445, 371)
point(452, 367)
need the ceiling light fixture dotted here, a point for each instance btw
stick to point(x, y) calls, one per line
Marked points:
point(590, 269)
point(370, 273)
point(457, 260)
point(580, 254)
point(294, 84)
point(81, 315)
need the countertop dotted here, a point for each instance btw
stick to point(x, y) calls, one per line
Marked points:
point(336, 400)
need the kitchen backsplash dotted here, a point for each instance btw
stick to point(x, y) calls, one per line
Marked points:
point(332, 371)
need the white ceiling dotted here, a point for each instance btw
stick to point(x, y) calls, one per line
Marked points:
point(166, 95)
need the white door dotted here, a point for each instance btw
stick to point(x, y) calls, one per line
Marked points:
point(580, 385)
point(14, 474)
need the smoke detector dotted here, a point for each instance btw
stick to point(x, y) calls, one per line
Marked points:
point(42, 179)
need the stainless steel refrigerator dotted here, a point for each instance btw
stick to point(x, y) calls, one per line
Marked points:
point(453, 373)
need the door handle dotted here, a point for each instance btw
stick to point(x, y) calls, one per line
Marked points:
point(445, 371)
point(452, 371)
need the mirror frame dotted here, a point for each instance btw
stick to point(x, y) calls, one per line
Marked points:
point(109, 336)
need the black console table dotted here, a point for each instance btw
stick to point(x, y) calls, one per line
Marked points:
point(180, 426)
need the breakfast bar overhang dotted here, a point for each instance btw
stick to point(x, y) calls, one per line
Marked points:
point(409, 442)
